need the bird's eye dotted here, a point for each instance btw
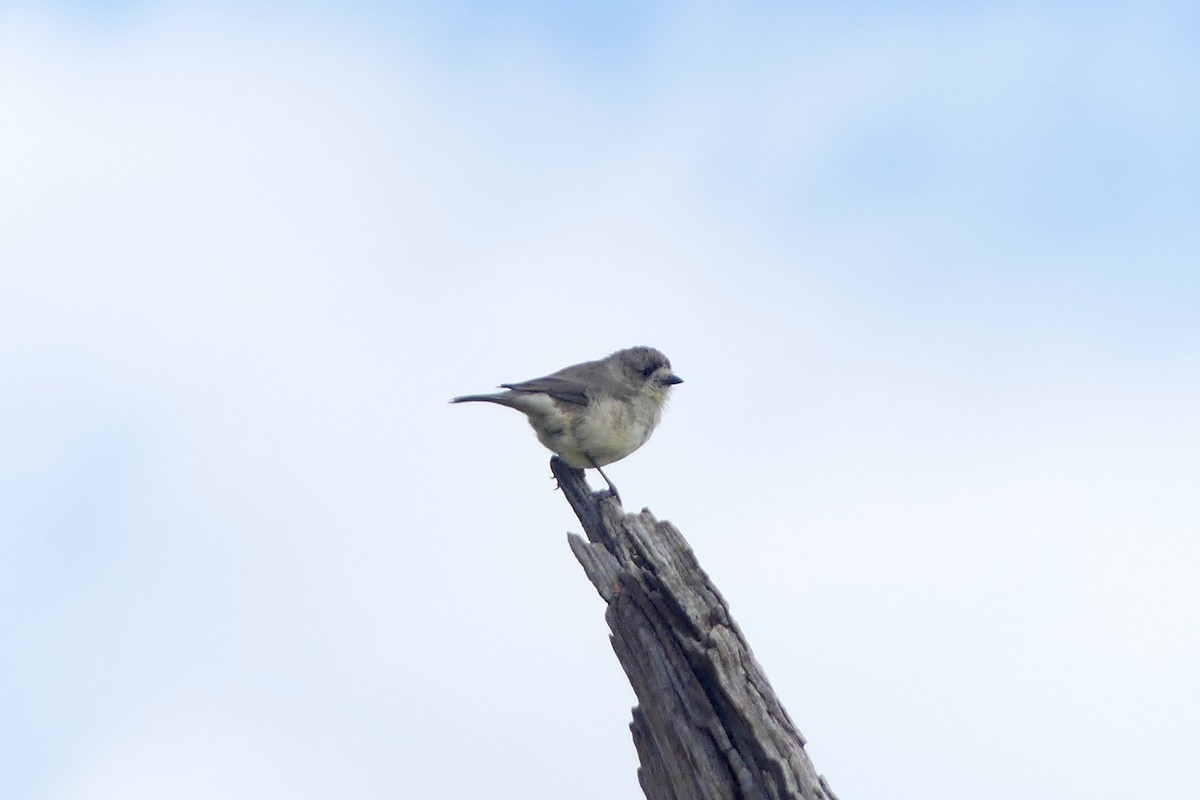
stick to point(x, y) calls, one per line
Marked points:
point(648, 371)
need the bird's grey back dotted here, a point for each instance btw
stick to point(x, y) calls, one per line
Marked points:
point(578, 382)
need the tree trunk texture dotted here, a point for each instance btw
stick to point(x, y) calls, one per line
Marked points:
point(707, 725)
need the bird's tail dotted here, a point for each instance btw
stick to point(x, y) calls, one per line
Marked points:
point(500, 398)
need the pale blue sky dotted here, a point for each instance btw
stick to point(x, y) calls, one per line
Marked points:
point(931, 273)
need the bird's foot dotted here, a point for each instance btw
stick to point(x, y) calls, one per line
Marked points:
point(612, 489)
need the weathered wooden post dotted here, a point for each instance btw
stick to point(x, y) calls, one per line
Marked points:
point(707, 725)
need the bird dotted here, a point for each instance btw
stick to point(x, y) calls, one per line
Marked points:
point(594, 413)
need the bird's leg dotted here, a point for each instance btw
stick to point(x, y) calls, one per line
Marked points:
point(612, 489)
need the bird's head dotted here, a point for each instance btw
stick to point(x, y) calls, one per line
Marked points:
point(648, 369)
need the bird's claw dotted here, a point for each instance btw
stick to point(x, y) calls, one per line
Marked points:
point(612, 489)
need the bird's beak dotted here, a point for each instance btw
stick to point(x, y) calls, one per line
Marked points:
point(671, 380)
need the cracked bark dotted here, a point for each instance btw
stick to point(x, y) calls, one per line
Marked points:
point(707, 725)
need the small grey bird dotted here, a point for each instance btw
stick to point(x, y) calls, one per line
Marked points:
point(594, 413)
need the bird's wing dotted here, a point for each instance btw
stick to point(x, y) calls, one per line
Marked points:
point(559, 388)
point(575, 384)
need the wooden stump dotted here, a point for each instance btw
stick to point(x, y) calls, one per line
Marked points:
point(707, 725)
